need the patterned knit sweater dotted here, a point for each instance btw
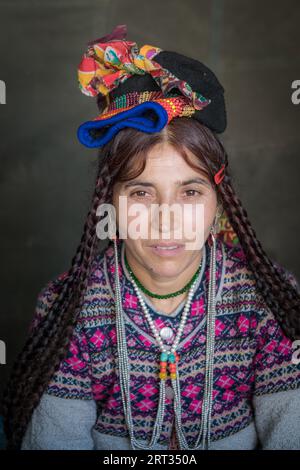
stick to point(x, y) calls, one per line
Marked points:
point(256, 396)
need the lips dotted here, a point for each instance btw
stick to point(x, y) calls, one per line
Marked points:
point(166, 245)
point(167, 249)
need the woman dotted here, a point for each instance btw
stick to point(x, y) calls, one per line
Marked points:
point(145, 346)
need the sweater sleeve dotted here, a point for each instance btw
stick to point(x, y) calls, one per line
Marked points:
point(61, 424)
point(276, 398)
point(67, 411)
point(73, 378)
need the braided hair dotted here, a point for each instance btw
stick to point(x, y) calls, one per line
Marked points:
point(122, 159)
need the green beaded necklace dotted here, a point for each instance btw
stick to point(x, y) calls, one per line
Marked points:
point(162, 296)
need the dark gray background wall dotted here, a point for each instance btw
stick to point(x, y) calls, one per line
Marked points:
point(47, 176)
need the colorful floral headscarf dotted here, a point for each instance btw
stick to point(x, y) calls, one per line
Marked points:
point(106, 64)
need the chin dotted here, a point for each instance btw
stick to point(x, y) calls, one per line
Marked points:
point(169, 269)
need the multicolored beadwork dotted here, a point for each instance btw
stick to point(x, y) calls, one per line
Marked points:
point(171, 359)
point(174, 105)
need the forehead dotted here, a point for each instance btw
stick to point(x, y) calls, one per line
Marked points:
point(165, 155)
point(165, 162)
point(166, 165)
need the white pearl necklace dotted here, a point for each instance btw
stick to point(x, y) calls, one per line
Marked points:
point(155, 332)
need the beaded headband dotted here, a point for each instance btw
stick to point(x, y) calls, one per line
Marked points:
point(134, 90)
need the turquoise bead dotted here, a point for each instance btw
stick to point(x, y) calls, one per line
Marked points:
point(164, 356)
point(171, 357)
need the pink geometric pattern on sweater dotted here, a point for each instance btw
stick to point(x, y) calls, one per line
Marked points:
point(144, 340)
point(112, 270)
point(243, 388)
point(225, 381)
point(138, 319)
point(98, 390)
point(75, 363)
point(243, 323)
point(187, 344)
point(131, 342)
point(159, 323)
point(73, 348)
point(130, 301)
point(271, 346)
point(191, 391)
point(219, 327)
point(228, 395)
point(285, 346)
point(98, 338)
point(197, 307)
point(148, 390)
point(112, 403)
point(113, 335)
point(146, 405)
point(196, 406)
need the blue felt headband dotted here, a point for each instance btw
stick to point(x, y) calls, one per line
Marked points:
point(136, 118)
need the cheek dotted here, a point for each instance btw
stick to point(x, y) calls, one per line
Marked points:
point(134, 220)
point(200, 215)
point(210, 212)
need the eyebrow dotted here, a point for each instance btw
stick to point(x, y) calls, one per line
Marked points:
point(179, 182)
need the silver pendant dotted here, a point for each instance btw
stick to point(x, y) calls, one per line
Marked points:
point(166, 332)
point(169, 393)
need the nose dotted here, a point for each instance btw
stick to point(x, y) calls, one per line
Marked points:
point(166, 216)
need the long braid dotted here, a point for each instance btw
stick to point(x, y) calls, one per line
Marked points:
point(278, 293)
point(47, 345)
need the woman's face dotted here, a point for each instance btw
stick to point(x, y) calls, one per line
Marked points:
point(164, 182)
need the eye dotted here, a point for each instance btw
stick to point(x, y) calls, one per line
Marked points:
point(193, 191)
point(138, 193)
